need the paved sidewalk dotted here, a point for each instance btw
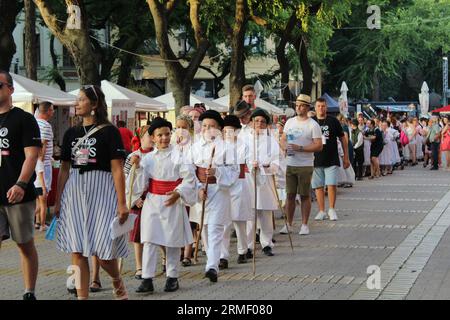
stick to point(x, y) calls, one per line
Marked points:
point(398, 222)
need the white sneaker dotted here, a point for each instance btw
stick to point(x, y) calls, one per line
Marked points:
point(286, 229)
point(304, 230)
point(321, 216)
point(332, 214)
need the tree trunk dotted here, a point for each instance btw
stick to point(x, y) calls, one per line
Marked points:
point(9, 10)
point(126, 63)
point(76, 41)
point(283, 62)
point(56, 75)
point(307, 70)
point(237, 68)
point(180, 78)
point(30, 40)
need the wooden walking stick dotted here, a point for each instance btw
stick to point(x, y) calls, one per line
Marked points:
point(282, 211)
point(255, 157)
point(203, 207)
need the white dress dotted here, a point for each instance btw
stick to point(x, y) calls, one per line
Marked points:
point(162, 225)
point(367, 144)
point(385, 157)
point(394, 146)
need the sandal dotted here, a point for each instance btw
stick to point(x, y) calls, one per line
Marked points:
point(95, 286)
point(120, 292)
point(138, 274)
point(186, 262)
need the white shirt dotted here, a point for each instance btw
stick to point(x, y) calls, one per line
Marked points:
point(303, 133)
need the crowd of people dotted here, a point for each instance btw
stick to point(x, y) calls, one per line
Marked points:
point(189, 183)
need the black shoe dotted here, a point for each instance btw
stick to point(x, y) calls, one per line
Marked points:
point(268, 251)
point(146, 286)
point(72, 291)
point(212, 275)
point(249, 254)
point(434, 169)
point(223, 264)
point(29, 296)
point(242, 259)
point(171, 285)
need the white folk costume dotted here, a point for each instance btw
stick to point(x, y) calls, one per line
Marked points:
point(240, 206)
point(392, 144)
point(163, 225)
point(217, 205)
point(268, 157)
point(385, 156)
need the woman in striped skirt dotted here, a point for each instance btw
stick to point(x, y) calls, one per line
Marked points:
point(91, 192)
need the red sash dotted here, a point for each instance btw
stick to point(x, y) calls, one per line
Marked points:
point(244, 169)
point(162, 187)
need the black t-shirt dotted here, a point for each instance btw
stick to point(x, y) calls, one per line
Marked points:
point(103, 146)
point(331, 130)
point(18, 130)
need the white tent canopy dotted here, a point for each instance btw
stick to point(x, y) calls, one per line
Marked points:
point(114, 92)
point(29, 91)
point(272, 109)
point(169, 100)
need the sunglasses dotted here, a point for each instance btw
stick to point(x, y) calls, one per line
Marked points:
point(92, 87)
point(5, 84)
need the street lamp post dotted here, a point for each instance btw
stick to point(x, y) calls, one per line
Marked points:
point(138, 73)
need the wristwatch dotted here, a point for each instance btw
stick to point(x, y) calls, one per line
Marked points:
point(300, 148)
point(22, 184)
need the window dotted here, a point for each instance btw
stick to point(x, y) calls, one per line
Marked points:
point(67, 58)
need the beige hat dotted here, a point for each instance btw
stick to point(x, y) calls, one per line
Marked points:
point(304, 98)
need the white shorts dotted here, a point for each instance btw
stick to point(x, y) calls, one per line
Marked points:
point(47, 178)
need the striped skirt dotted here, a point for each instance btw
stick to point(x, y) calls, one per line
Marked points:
point(88, 207)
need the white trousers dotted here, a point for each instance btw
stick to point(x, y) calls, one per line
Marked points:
point(213, 236)
point(241, 234)
point(150, 260)
point(265, 223)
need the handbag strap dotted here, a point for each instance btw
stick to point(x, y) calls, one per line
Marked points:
point(90, 133)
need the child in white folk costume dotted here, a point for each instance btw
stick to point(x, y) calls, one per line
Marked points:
point(266, 161)
point(220, 177)
point(164, 221)
point(241, 210)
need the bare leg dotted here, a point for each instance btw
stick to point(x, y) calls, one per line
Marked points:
point(290, 207)
point(306, 208)
point(29, 262)
point(320, 194)
point(95, 269)
point(42, 210)
point(138, 248)
point(332, 196)
point(82, 262)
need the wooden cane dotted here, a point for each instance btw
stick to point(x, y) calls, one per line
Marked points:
point(284, 213)
point(203, 208)
point(255, 146)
